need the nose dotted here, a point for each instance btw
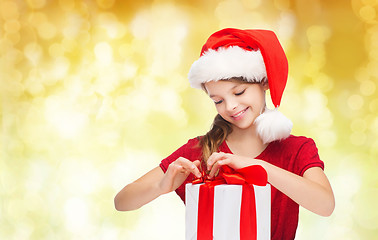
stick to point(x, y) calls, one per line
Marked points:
point(231, 105)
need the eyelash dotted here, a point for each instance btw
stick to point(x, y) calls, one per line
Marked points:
point(240, 93)
point(237, 94)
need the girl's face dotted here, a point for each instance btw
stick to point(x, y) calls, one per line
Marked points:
point(238, 102)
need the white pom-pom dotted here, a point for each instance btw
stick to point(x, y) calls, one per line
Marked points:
point(272, 125)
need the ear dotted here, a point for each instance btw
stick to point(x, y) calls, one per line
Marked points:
point(203, 86)
point(265, 85)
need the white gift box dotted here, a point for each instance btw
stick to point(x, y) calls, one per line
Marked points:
point(227, 205)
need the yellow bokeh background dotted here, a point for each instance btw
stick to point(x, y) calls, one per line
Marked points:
point(94, 94)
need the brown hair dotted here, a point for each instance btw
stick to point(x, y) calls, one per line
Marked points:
point(211, 141)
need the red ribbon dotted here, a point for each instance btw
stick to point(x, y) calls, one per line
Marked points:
point(247, 176)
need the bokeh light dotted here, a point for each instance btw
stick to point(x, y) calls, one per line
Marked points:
point(94, 94)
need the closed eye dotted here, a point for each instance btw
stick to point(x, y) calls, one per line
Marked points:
point(218, 102)
point(240, 93)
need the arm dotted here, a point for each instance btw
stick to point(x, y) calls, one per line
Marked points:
point(155, 183)
point(139, 192)
point(312, 191)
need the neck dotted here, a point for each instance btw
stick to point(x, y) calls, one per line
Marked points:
point(241, 140)
point(244, 134)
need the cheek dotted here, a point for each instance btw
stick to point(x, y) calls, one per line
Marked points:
point(220, 110)
point(256, 100)
point(258, 97)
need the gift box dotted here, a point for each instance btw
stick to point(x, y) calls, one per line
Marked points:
point(233, 206)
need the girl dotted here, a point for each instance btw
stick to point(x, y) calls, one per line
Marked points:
point(235, 69)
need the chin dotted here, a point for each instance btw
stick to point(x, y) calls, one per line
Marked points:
point(244, 123)
point(244, 126)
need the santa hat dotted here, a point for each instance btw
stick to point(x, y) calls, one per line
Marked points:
point(254, 55)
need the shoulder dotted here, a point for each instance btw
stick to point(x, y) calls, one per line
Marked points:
point(296, 140)
point(295, 154)
point(294, 143)
point(191, 147)
point(193, 143)
point(190, 150)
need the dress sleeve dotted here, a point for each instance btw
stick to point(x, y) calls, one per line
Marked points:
point(308, 157)
point(187, 151)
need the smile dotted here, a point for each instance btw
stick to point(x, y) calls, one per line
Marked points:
point(239, 114)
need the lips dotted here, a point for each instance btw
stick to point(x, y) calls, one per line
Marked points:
point(240, 114)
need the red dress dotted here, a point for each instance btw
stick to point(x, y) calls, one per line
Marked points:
point(295, 154)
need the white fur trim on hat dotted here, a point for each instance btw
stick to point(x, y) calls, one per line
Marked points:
point(272, 125)
point(226, 63)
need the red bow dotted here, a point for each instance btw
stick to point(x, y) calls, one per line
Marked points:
point(254, 174)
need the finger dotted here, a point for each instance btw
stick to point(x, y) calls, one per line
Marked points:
point(189, 166)
point(214, 157)
point(195, 170)
point(209, 162)
point(198, 164)
point(224, 161)
point(175, 168)
point(214, 170)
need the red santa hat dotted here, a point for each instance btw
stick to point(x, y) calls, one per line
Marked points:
point(254, 55)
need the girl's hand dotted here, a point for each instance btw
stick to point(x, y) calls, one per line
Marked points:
point(155, 183)
point(177, 172)
point(218, 159)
